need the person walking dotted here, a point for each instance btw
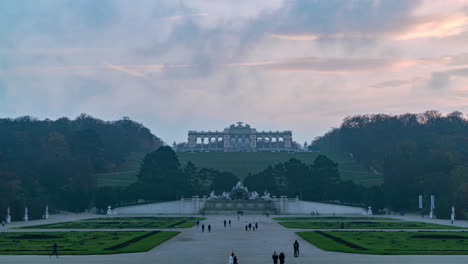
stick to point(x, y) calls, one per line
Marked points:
point(54, 250)
point(224, 223)
point(203, 227)
point(246, 227)
point(275, 258)
point(256, 225)
point(198, 223)
point(229, 222)
point(296, 249)
point(231, 258)
point(250, 226)
point(235, 260)
point(281, 258)
point(209, 228)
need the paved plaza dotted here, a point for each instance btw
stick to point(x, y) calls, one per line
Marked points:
point(251, 247)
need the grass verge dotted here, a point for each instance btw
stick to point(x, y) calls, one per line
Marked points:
point(390, 243)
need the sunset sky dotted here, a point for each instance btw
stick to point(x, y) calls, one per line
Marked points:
point(177, 65)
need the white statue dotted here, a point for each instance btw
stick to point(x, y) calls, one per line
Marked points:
point(369, 210)
point(253, 195)
point(8, 217)
point(266, 195)
point(213, 195)
point(452, 215)
point(109, 210)
point(26, 216)
point(46, 214)
point(226, 196)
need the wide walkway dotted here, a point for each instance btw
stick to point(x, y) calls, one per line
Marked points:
point(252, 247)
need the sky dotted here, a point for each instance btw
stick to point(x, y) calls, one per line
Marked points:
point(179, 65)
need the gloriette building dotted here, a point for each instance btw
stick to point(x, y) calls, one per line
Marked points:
point(238, 138)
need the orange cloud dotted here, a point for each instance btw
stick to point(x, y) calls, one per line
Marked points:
point(425, 27)
point(441, 27)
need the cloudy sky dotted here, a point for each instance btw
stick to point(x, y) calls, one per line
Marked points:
point(177, 65)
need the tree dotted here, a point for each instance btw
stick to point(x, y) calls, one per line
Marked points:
point(223, 181)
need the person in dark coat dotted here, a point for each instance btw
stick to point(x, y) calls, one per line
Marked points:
point(256, 225)
point(250, 226)
point(203, 227)
point(229, 222)
point(275, 258)
point(235, 260)
point(55, 250)
point(209, 228)
point(296, 249)
point(281, 258)
point(224, 223)
point(246, 227)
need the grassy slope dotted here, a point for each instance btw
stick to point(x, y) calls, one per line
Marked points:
point(241, 164)
point(393, 243)
point(364, 225)
point(80, 243)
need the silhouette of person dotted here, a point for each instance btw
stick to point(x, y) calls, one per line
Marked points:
point(281, 258)
point(209, 228)
point(229, 222)
point(275, 258)
point(246, 227)
point(198, 223)
point(224, 223)
point(231, 258)
point(54, 250)
point(235, 259)
point(256, 225)
point(203, 227)
point(296, 249)
point(250, 226)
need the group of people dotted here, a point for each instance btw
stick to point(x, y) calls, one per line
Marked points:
point(281, 257)
point(251, 226)
point(229, 223)
point(203, 227)
point(233, 259)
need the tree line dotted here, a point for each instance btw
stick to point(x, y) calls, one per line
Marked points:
point(417, 154)
point(55, 162)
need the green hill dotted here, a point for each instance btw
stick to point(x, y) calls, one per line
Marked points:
point(243, 163)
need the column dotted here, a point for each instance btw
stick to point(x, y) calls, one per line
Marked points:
point(253, 142)
point(227, 139)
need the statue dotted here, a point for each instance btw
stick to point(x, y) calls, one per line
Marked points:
point(46, 214)
point(109, 210)
point(26, 216)
point(8, 217)
point(253, 195)
point(266, 195)
point(213, 195)
point(226, 196)
point(369, 210)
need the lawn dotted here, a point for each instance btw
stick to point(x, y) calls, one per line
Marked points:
point(364, 225)
point(123, 222)
point(328, 218)
point(241, 164)
point(390, 243)
point(81, 243)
